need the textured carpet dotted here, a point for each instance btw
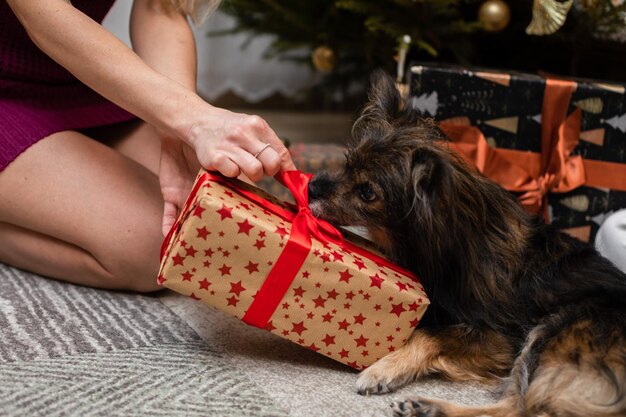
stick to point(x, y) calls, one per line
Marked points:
point(67, 350)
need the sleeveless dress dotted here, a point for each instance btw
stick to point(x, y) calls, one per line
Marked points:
point(38, 97)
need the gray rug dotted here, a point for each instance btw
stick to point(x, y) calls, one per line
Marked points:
point(67, 350)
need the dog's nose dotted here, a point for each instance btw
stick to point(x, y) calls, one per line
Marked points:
point(322, 186)
point(315, 190)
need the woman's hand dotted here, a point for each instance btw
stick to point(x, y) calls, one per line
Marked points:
point(234, 144)
point(177, 170)
point(224, 141)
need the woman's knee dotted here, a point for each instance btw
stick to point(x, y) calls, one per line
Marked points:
point(133, 257)
point(611, 239)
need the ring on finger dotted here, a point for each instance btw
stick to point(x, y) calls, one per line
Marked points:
point(267, 145)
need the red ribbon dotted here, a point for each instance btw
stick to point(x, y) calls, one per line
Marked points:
point(295, 252)
point(304, 224)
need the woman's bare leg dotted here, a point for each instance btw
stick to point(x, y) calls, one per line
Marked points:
point(77, 210)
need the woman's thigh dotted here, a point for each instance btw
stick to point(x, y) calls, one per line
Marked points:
point(79, 191)
point(137, 140)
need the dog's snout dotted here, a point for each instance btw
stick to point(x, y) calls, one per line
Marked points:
point(320, 187)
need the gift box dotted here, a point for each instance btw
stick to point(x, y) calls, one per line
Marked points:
point(277, 267)
point(559, 144)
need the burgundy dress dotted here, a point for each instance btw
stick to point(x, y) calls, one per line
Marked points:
point(38, 97)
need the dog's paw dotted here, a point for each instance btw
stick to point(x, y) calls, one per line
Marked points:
point(416, 407)
point(378, 379)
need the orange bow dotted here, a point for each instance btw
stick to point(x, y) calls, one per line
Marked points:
point(555, 169)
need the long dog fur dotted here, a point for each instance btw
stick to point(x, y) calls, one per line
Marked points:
point(513, 300)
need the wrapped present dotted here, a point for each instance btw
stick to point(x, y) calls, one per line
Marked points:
point(560, 145)
point(277, 267)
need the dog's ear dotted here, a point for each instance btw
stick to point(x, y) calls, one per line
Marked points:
point(383, 105)
point(431, 178)
point(386, 109)
point(384, 100)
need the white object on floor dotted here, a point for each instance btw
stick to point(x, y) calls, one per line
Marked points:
point(611, 239)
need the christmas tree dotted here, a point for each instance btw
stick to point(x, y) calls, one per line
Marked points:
point(346, 39)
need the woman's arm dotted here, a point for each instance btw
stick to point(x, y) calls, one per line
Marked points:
point(104, 63)
point(222, 140)
point(164, 40)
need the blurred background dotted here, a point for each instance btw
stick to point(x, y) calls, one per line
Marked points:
point(304, 65)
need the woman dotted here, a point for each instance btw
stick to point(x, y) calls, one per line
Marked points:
point(86, 190)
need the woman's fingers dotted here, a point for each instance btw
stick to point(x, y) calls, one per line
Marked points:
point(170, 212)
point(224, 163)
point(240, 144)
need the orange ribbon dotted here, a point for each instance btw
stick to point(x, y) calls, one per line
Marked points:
point(555, 169)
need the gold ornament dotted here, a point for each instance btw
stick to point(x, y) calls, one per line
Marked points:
point(494, 15)
point(548, 16)
point(323, 58)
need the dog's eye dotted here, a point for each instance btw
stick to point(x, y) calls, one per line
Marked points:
point(366, 193)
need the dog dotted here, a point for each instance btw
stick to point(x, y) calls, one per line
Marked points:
point(514, 301)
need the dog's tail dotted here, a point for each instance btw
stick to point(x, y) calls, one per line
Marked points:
point(574, 363)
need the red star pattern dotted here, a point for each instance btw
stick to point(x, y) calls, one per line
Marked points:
point(298, 292)
point(337, 256)
point(359, 264)
point(397, 309)
point(329, 340)
point(245, 227)
point(177, 259)
point(191, 251)
point(376, 281)
point(298, 328)
point(332, 294)
point(345, 276)
point(282, 232)
point(225, 212)
point(252, 267)
point(202, 232)
point(319, 301)
point(204, 284)
point(225, 270)
point(359, 319)
point(236, 288)
point(361, 341)
point(347, 291)
point(198, 211)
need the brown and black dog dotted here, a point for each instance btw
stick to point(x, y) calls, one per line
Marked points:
point(513, 299)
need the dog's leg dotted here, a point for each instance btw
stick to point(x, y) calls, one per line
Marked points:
point(577, 371)
point(426, 407)
point(457, 352)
